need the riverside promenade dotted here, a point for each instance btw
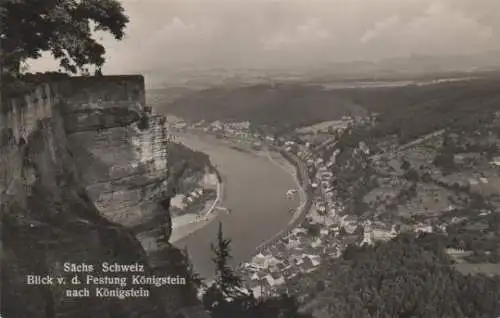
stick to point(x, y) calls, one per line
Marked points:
point(254, 190)
point(306, 200)
point(186, 225)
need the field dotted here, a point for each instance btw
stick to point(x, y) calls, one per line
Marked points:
point(321, 127)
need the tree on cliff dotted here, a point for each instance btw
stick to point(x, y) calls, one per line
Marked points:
point(227, 284)
point(226, 279)
point(63, 27)
point(224, 298)
point(194, 280)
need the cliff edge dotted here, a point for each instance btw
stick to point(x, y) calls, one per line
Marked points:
point(84, 179)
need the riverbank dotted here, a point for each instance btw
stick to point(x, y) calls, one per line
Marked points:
point(305, 206)
point(185, 225)
point(255, 193)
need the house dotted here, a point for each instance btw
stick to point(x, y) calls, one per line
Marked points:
point(324, 232)
point(321, 208)
point(179, 201)
point(280, 266)
point(317, 243)
point(307, 265)
point(350, 240)
point(336, 230)
point(289, 271)
point(275, 279)
point(293, 243)
point(364, 147)
point(259, 259)
point(251, 267)
point(335, 253)
point(217, 125)
point(349, 218)
point(260, 288)
point(495, 161)
point(457, 252)
point(424, 229)
point(466, 158)
point(473, 181)
point(315, 259)
point(272, 262)
point(265, 261)
point(367, 239)
point(350, 227)
point(382, 234)
point(303, 266)
point(299, 231)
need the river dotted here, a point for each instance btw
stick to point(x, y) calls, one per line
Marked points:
point(255, 193)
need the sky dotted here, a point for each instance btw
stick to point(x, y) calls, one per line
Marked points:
point(172, 34)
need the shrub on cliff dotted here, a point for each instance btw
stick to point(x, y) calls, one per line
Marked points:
point(17, 86)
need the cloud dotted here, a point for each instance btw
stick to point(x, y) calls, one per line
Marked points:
point(308, 33)
point(168, 34)
point(379, 28)
point(440, 29)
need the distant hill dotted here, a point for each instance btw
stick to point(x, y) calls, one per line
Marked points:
point(275, 105)
point(412, 111)
point(288, 106)
point(162, 96)
point(412, 67)
point(399, 68)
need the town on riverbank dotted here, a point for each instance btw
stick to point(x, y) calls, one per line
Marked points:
point(361, 190)
point(197, 191)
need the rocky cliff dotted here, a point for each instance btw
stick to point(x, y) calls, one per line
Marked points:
point(83, 179)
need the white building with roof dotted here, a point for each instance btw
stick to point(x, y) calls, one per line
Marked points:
point(495, 161)
point(424, 229)
point(275, 279)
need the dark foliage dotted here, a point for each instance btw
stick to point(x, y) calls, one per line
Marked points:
point(407, 277)
point(226, 297)
point(282, 106)
point(226, 279)
point(288, 106)
point(196, 160)
point(62, 27)
point(16, 86)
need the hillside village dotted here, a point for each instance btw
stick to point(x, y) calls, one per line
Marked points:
point(365, 191)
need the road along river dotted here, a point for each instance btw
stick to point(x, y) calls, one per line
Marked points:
point(254, 191)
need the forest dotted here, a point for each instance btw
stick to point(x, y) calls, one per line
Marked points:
point(406, 277)
point(409, 276)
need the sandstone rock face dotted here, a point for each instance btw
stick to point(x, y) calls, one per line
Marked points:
point(82, 166)
point(119, 147)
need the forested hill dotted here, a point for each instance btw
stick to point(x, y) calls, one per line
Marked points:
point(292, 105)
point(406, 277)
point(412, 111)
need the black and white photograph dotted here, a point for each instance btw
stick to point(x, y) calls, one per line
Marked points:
point(250, 158)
